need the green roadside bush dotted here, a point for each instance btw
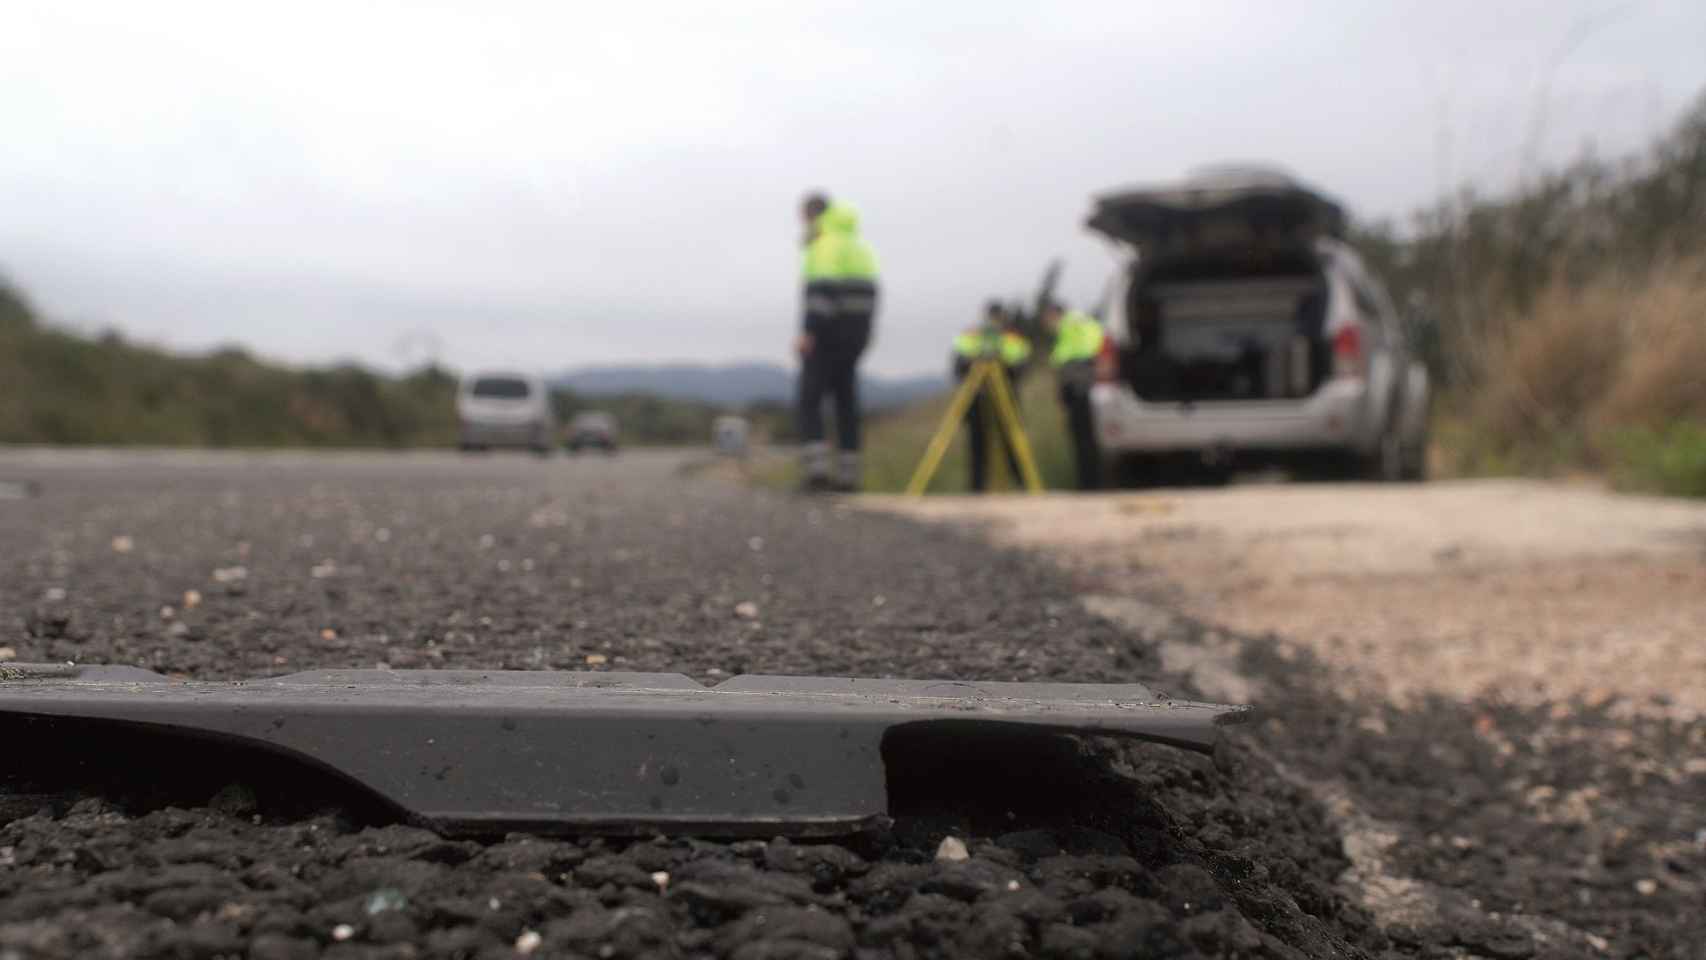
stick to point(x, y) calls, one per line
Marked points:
point(1671, 460)
point(58, 387)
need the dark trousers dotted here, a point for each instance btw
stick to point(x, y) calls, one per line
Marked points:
point(981, 421)
point(1085, 454)
point(832, 368)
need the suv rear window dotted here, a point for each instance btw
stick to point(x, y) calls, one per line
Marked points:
point(500, 388)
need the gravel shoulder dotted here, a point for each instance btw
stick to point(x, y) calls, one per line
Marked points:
point(1495, 688)
point(1520, 591)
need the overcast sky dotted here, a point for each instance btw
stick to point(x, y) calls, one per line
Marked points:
point(563, 184)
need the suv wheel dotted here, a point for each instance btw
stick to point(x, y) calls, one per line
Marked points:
point(1413, 465)
point(1386, 463)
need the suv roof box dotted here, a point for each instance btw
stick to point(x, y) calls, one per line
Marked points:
point(1217, 207)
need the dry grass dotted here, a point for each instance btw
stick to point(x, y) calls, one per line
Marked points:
point(1662, 376)
point(1563, 382)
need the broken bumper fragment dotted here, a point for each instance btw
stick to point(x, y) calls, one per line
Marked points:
point(491, 751)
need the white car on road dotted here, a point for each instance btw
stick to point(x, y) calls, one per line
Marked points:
point(1241, 328)
point(505, 409)
point(729, 435)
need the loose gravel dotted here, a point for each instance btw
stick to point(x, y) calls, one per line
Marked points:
point(1496, 688)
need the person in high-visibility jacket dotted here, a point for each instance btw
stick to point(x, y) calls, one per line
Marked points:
point(840, 278)
point(1077, 342)
point(999, 339)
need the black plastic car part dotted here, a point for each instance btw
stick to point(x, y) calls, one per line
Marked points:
point(492, 751)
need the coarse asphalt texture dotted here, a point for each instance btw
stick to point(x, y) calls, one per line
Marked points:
point(236, 565)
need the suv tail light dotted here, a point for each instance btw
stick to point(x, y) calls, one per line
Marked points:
point(1347, 353)
point(1108, 362)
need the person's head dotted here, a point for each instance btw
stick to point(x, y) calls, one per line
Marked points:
point(813, 206)
point(1052, 314)
point(994, 314)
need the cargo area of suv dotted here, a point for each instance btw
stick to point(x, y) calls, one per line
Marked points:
point(1242, 324)
point(1216, 330)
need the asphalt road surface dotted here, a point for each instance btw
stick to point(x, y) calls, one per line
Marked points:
point(233, 565)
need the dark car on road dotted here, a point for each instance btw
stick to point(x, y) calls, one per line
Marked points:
point(594, 430)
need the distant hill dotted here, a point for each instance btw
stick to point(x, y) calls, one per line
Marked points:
point(735, 385)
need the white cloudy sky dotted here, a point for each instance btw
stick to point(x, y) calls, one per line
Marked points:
point(560, 184)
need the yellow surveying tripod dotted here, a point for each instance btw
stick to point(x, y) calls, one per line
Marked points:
point(985, 375)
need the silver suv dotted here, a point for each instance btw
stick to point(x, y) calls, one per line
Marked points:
point(1242, 328)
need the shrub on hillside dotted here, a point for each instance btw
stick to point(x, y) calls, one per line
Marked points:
point(15, 311)
point(1567, 318)
point(62, 388)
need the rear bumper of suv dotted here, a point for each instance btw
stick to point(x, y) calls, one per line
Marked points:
point(1331, 418)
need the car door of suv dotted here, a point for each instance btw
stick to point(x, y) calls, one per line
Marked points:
point(1380, 346)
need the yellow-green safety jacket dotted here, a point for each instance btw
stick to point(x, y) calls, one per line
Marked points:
point(838, 269)
point(1010, 348)
point(1078, 339)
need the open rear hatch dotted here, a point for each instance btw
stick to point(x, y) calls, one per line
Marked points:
point(1218, 208)
point(1227, 296)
